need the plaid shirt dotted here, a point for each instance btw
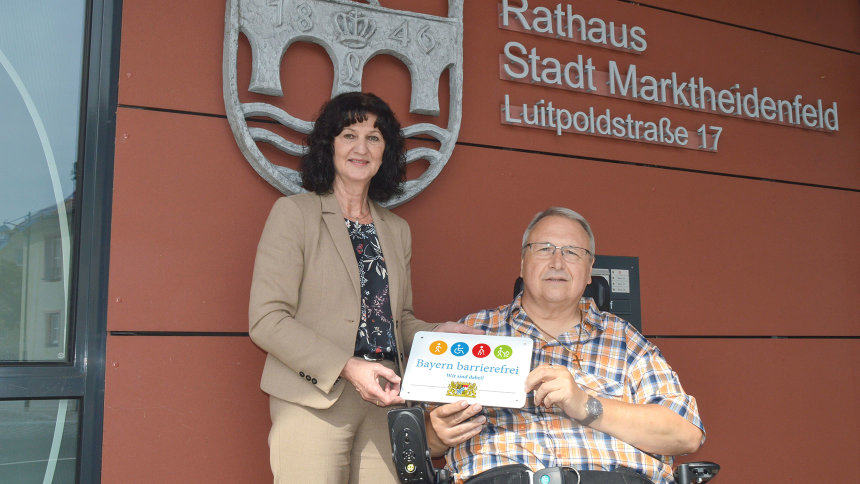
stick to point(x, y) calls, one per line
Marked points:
point(617, 362)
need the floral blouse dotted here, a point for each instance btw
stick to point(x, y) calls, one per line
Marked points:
point(376, 329)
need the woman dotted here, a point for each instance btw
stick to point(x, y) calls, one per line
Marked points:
point(333, 314)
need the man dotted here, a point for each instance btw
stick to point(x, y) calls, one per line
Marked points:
point(600, 396)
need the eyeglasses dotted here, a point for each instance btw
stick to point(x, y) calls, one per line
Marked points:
point(570, 253)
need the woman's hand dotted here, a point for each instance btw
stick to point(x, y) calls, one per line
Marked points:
point(365, 377)
point(455, 327)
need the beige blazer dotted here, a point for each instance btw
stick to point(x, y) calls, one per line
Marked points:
point(305, 306)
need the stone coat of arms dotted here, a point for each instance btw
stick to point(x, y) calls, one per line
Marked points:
point(351, 33)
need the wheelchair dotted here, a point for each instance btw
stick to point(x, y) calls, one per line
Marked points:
point(414, 466)
point(411, 455)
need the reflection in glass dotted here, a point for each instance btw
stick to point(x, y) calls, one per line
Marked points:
point(41, 56)
point(39, 439)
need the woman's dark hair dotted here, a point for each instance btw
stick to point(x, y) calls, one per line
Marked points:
point(343, 110)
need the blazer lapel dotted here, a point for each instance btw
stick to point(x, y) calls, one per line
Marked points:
point(390, 249)
point(337, 229)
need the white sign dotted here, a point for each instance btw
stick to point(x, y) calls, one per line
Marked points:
point(621, 281)
point(449, 367)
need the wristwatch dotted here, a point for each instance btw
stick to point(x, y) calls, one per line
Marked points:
point(594, 409)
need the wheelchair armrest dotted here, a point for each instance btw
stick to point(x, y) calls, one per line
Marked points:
point(696, 472)
point(409, 448)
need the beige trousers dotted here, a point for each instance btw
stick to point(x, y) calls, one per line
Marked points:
point(347, 443)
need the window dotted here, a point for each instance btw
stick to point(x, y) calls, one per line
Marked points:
point(39, 43)
point(53, 258)
point(58, 86)
point(41, 424)
point(52, 329)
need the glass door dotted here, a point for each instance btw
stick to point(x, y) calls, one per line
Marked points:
point(57, 85)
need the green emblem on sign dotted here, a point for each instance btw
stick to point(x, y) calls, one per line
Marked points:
point(503, 352)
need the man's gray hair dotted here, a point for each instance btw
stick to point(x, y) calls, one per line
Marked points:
point(560, 212)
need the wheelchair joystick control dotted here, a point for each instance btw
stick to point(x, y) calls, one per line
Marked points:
point(409, 448)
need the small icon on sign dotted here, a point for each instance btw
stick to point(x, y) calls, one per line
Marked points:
point(459, 349)
point(503, 352)
point(438, 347)
point(481, 350)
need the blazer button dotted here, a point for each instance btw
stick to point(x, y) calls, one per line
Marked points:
point(401, 357)
point(302, 374)
point(314, 381)
point(308, 377)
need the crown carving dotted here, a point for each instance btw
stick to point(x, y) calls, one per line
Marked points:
point(355, 29)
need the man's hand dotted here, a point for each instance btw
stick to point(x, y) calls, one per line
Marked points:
point(554, 385)
point(651, 428)
point(364, 376)
point(455, 327)
point(452, 424)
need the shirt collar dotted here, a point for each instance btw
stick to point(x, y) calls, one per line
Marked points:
point(592, 313)
point(517, 317)
point(519, 321)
